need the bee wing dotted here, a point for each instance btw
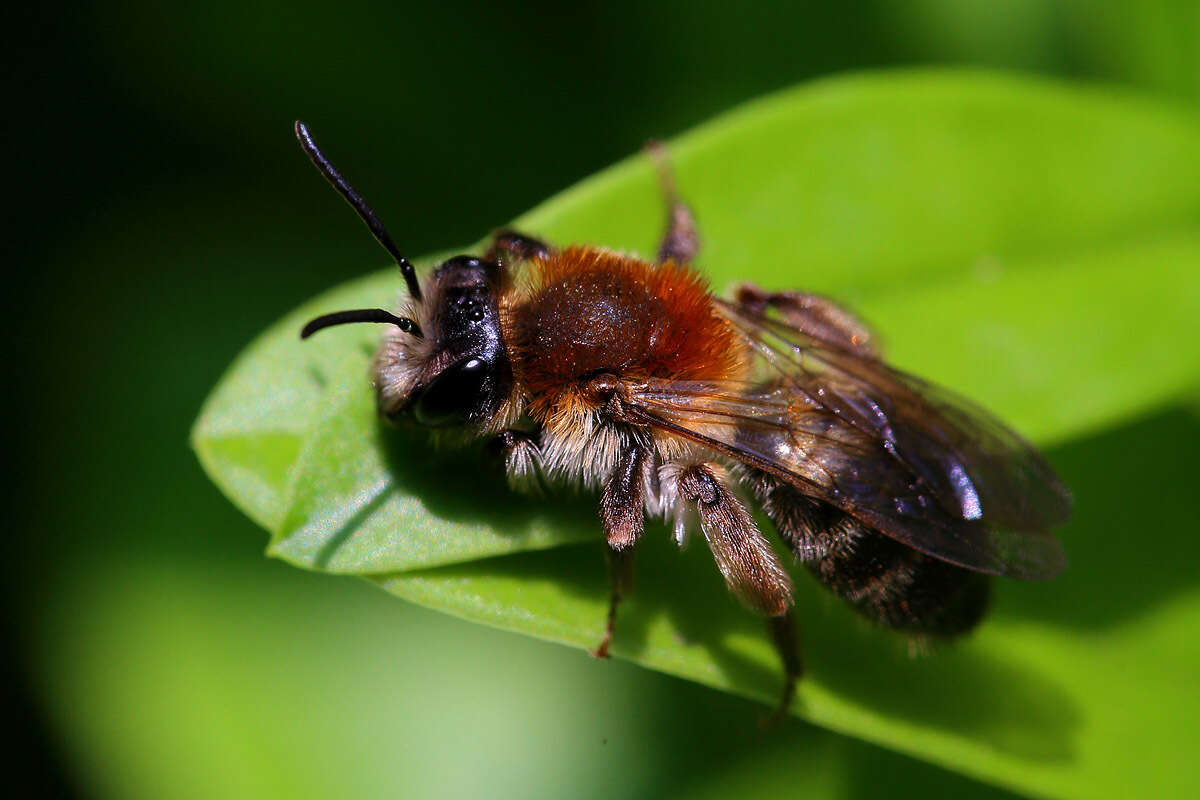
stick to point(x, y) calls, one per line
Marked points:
point(916, 462)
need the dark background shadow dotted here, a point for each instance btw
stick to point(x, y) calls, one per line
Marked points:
point(467, 484)
point(1133, 537)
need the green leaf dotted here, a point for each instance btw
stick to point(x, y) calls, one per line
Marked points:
point(1033, 245)
point(173, 678)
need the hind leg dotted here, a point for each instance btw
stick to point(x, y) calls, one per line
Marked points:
point(749, 565)
point(782, 630)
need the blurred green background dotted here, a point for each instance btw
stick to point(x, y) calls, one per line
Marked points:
point(162, 215)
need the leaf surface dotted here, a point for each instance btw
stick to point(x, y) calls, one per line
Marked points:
point(1032, 245)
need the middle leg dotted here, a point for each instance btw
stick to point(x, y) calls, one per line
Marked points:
point(622, 508)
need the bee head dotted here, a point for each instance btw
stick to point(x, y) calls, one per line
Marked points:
point(458, 372)
point(444, 359)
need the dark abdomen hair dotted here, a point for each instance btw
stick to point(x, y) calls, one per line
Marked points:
point(888, 582)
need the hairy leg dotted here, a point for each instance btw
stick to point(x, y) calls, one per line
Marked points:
point(749, 565)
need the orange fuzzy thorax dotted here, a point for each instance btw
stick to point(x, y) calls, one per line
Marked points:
point(588, 311)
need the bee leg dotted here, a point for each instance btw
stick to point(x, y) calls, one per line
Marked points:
point(623, 511)
point(680, 242)
point(783, 635)
point(818, 316)
point(620, 574)
point(508, 246)
point(749, 565)
point(522, 459)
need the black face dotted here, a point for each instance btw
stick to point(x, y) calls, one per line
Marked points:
point(466, 321)
point(479, 376)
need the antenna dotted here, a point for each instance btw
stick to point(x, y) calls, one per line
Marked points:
point(364, 211)
point(360, 315)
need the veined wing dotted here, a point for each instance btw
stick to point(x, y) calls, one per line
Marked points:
point(918, 463)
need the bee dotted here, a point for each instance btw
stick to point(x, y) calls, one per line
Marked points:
point(627, 376)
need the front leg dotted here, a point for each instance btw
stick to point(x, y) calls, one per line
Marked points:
point(622, 508)
point(522, 459)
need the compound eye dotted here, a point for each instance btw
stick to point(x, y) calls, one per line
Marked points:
point(457, 392)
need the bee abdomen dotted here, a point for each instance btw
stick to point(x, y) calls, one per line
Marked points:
point(888, 582)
